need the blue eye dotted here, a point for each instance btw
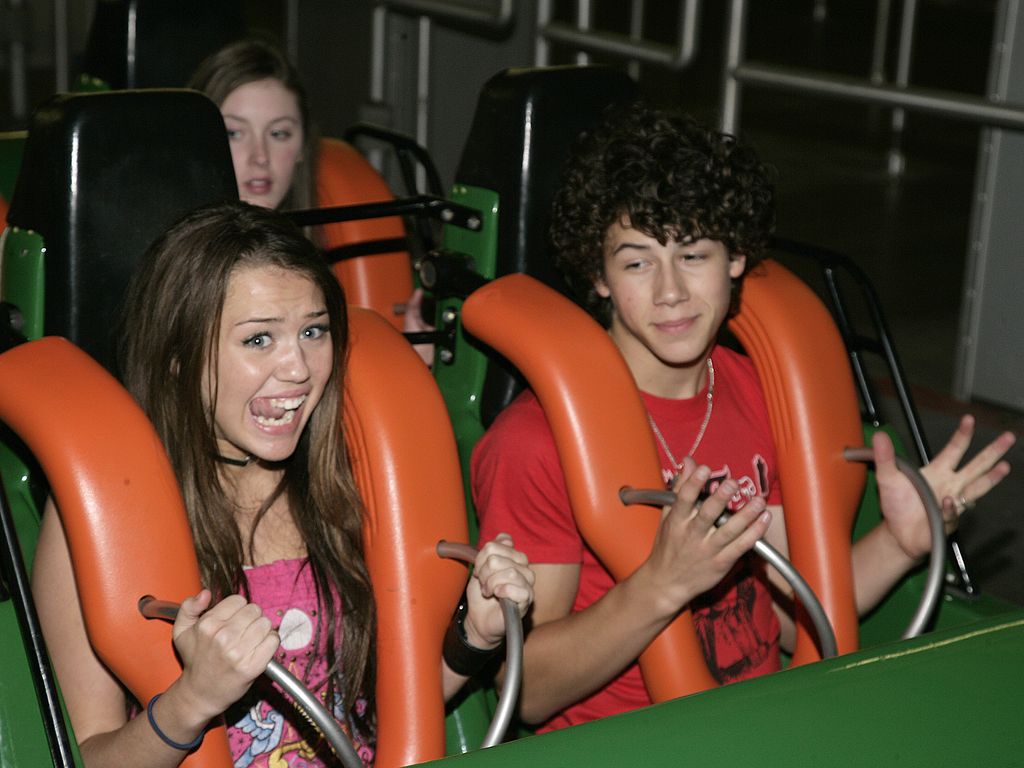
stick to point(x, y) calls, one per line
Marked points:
point(257, 340)
point(281, 134)
point(315, 331)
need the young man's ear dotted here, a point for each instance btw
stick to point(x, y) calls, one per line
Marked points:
point(601, 288)
point(737, 265)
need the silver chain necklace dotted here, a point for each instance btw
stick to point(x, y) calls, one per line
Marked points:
point(676, 466)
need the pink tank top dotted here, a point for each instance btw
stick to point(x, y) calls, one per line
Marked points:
point(268, 730)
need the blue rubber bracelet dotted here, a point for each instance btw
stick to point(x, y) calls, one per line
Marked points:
point(164, 737)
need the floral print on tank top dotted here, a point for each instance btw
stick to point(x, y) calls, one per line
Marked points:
point(268, 731)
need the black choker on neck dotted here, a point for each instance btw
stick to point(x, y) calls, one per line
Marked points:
point(234, 462)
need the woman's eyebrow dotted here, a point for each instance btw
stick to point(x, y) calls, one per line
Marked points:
point(259, 320)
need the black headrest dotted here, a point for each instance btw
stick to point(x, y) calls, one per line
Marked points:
point(525, 123)
point(156, 43)
point(102, 175)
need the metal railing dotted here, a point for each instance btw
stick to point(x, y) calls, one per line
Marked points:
point(632, 46)
point(974, 109)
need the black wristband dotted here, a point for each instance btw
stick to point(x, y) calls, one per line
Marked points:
point(184, 747)
point(461, 657)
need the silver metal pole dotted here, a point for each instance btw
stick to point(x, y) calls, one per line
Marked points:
point(378, 35)
point(19, 81)
point(735, 43)
point(542, 50)
point(422, 93)
point(943, 103)
point(897, 160)
point(61, 58)
point(292, 30)
point(636, 32)
point(583, 21)
point(881, 41)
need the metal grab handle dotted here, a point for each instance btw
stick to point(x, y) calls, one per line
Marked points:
point(305, 700)
point(937, 561)
point(803, 591)
point(513, 651)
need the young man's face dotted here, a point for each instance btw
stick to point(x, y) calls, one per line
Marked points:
point(668, 302)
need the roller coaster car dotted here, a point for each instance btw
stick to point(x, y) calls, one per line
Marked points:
point(971, 651)
point(91, 212)
point(805, 370)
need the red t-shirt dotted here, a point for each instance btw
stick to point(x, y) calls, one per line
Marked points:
point(519, 488)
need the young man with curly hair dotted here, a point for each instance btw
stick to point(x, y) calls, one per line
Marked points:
point(655, 225)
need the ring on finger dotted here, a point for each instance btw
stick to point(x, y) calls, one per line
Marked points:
point(963, 504)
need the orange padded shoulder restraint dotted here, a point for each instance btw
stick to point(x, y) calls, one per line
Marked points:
point(576, 373)
point(406, 465)
point(603, 439)
point(120, 506)
point(380, 281)
point(805, 375)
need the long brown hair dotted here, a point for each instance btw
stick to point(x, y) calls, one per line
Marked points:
point(247, 61)
point(169, 334)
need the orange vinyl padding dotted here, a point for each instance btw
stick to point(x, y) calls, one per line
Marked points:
point(805, 374)
point(120, 505)
point(406, 465)
point(604, 443)
point(129, 537)
point(380, 281)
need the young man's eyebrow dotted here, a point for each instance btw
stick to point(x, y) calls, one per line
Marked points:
point(623, 246)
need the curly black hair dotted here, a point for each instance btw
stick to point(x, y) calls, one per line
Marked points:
point(672, 178)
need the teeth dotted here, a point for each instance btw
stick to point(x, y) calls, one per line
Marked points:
point(288, 403)
point(267, 421)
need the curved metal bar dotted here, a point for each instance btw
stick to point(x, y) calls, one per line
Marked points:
point(314, 709)
point(308, 704)
point(513, 652)
point(803, 591)
point(932, 592)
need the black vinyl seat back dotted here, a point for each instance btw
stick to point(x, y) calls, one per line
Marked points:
point(157, 43)
point(102, 175)
point(525, 123)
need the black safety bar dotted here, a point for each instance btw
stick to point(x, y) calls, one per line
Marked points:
point(14, 585)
